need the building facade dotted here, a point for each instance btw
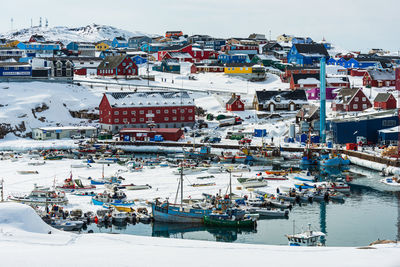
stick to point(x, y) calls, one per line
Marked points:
point(140, 109)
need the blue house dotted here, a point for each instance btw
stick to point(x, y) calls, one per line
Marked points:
point(307, 54)
point(152, 48)
point(39, 48)
point(356, 63)
point(137, 41)
point(139, 60)
point(238, 58)
point(119, 42)
point(15, 70)
point(215, 44)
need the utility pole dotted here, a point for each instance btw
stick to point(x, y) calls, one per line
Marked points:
point(12, 21)
point(2, 189)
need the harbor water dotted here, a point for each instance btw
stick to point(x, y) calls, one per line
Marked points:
point(370, 212)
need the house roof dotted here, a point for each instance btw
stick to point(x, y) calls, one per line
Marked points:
point(232, 99)
point(304, 76)
point(315, 49)
point(308, 111)
point(179, 55)
point(239, 65)
point(285, 96)
point(384, 75)
point(345, 95)
point(382, 97)
point(14, 64)
point(149, 99)
point(111, 62)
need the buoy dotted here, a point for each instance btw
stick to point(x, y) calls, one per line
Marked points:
point(96, 220)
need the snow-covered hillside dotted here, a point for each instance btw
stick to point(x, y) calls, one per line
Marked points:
point(89, 33)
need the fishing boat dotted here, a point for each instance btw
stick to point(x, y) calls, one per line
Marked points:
point(206, 177)
point(53, 157)
point(231, 218)
point(274, 177)
point(116, 198)
point(105, 180)
point(41, 196)
point(337, 186)
point(307, 238)
point(203, 153)
point(81, 165)
point(66, 224)
point(239, 168)
point(304, 186)
point(187, 170)
point(393, 181)
point(134, 166)
point(137, 187)
point(178, 213)
point(84, 194)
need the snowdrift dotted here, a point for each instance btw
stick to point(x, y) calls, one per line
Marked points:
point(22, 217)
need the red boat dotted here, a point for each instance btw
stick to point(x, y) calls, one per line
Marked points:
point(71, 185)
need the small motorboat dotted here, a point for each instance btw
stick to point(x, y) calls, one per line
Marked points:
point(119, 217)
point(203, 184)
point(41, 196)
point(254, 183)
point(393, 181)
point(66, 225)
point(37, 163)
point(217, 169)
point(232, 218)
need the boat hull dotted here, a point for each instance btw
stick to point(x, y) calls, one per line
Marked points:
point(175, 215)
point(228, 223)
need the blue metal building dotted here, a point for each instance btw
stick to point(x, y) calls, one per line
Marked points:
point(15, 70)
point(346, 130)
point(307, 54)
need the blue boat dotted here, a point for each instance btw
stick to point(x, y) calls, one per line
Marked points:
point(176, 214)
point(304, 186)
point(111, 180)
point(114, 202)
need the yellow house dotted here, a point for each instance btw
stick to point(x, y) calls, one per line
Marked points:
point(238, 70)
point(284, 38)
point(12, 43)
point(102, 46)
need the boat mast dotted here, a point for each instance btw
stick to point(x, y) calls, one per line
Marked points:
point(230, 187)
point(2, 189)
point(181, 183)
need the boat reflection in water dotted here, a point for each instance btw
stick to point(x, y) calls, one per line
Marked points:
point(178, 230)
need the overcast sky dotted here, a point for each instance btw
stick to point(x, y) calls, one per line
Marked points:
point(350, 24)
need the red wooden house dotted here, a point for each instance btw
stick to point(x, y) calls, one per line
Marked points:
point(117, 65)
point(36, 39)
point(351, 100)
point(139, 109)
point(379, 78)
point(357, 72)
point(304, 81)
point(235, 103)
point(398, 79)
point(342, 82)
point(183, 53)
point(385, 101)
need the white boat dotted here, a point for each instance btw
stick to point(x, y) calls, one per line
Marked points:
point(118, 216)
point(304, 176)
point(393, 181)
point(254, 183)
point(41, 196)
point(66, 225)
point(137, 187)
point(239, 168)
point(307, 238)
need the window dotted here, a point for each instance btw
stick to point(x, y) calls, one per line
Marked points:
point(116, 120)
point(125, 112)
point(125, 120)
point(100, 112)
point(190, 118)
point(182, 118)
point(174, 118)
point(133, 112)
point(190, 110)
point(133, 120)
point(158, 111)
point(364, 99)
point(356, 99)
point(166, 111)
point(364, 106)
point(166, 119)
point(174, 111)
point(355, 106)
point(141, 119)
point(116, 113)
point(182, 110)
point(109, 113)
point(141, 112)
point(124, 64)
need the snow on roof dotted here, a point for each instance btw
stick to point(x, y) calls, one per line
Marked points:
point(66, 128)
point(180, 55)
point(394, 129)
point(308, 81)
point(378, 74)
point(149, 99)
